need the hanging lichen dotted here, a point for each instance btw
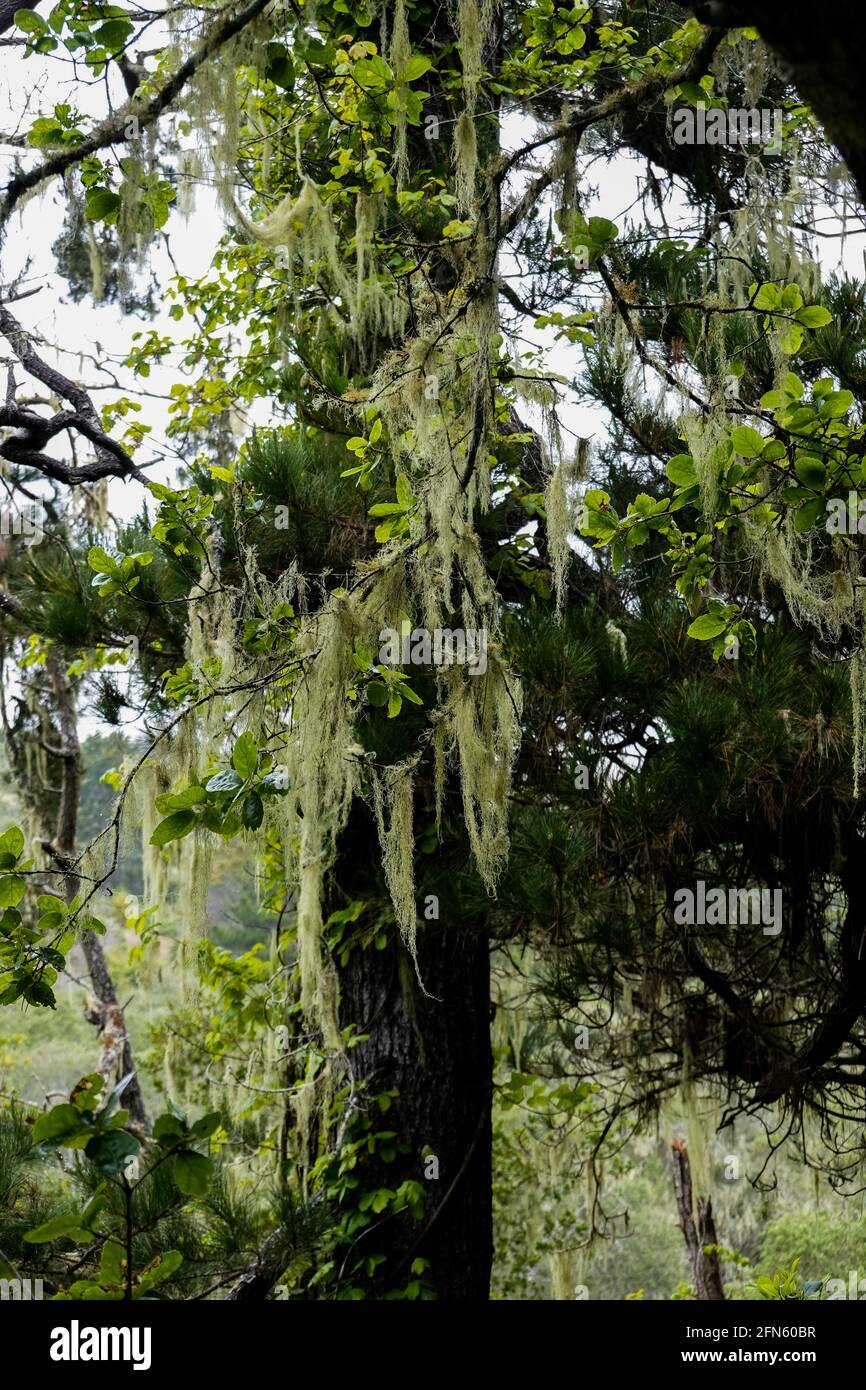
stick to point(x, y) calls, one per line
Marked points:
point(560, 513)
point(193, 884)
point(392, 803)
point(465, 160)
point(617, 640)
point(97, 273)
point(399, 53)
point(474, 25)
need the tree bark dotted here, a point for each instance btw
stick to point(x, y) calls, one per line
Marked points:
point(115, 1059)
point(699, 1234)
point(435, 1052)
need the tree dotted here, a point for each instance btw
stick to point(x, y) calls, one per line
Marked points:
point(358, 590)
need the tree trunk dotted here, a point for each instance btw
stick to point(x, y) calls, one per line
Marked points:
point(435, 1052)
point(115, 1058)
point(699, 1234)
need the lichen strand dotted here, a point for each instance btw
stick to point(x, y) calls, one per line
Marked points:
point(196, 857)
point(324, 763)
point(434, 396)
point(559, 513)
point(399, 53)
point(97, 273)
point(706, 437)
point(301, 229)
point(464, 157)
point(392, 804)
point(830, 602)
point(474, 24)
point(482, 734)
point(699, 1140)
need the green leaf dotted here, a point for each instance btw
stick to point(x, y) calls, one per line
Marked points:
point(86, 1093)
point(159, 1269)
point(415, 68)
point(100, 560)
point(373, 74)
point(59, 1121)
point(808, 516)
point(112, 1262)
point(253, 811)
point(773, 450)
point(68, 1224)
point(193, 1173)
point(810, 470)
point(227, 781)
point(39, 992)
point(279, 66)
point(837, 404)
point(29, 22)
point(813, 316)
point(111, 1105)
point(168, 1128)
point(111, 1152)
point(681, 470)
point(206, 1125)
point(12, 842)
point(747, 442)
point(793, 385)
point(769, 296)
point(377, 693)
point(113, 34)
point(12, 890)
point(276, 783)
point(174, 827)
point(602, 230)
point(180, 801)
point(101, 205)
point(245, 756)
point(791, 338)
point(48, 903)
point(707, 626)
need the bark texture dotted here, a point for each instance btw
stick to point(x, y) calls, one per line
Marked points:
point(436, 1053)
point(697, 1233)
point(115, 1056)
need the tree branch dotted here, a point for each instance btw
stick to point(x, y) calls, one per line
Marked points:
point(144, 114)
point(34, 431)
